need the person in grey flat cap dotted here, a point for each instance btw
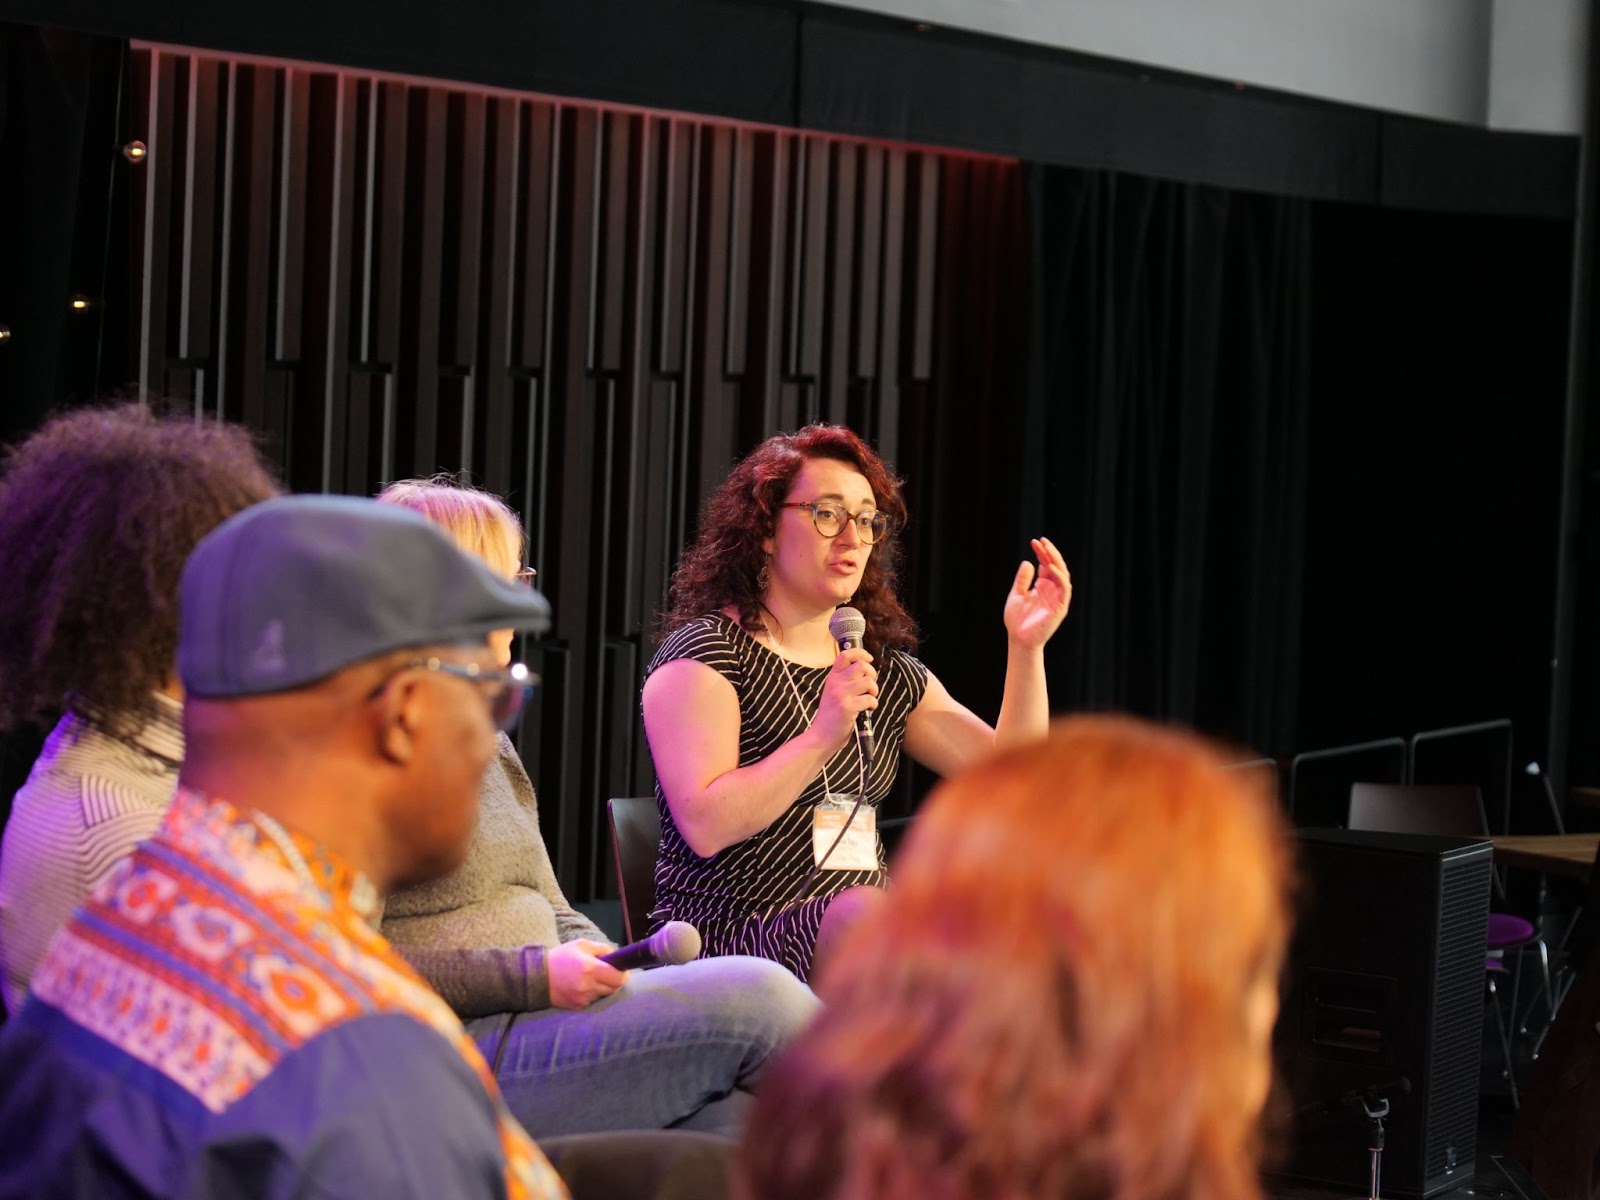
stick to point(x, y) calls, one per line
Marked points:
point(220, 1018)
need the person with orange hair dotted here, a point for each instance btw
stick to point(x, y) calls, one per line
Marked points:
point(1069, 993)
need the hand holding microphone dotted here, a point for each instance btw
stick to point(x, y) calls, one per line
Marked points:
point(848, 627)
point(583, 971)
point(577, 975)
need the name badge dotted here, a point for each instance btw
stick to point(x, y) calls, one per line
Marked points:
point(857, 850)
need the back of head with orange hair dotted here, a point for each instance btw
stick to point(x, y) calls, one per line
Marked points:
point(1069, 992)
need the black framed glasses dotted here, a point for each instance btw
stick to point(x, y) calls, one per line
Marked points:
point(508, 689)
point(829, 517)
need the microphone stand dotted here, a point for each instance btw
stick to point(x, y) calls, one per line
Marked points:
point(1376, 1111)
point(1374, 1105)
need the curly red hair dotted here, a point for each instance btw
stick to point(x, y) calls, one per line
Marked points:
point(723, 567)
point(1061, 996)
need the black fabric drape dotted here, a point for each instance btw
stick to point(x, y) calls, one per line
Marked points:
point(41, 137)
point(59, 118)
point(1434, 476)
point(1166, 408)
point(58, 112)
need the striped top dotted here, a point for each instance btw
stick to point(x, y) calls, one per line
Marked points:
point(221, 1018)
point(732, 895)
point(88, 801)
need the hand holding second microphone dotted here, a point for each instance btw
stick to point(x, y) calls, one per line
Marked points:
point(582, 971)
point(578, 975)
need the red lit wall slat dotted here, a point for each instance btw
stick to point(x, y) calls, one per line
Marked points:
point(591, 311)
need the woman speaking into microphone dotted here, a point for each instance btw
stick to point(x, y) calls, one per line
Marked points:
point(767, 793)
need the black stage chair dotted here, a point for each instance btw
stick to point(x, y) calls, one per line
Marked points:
point(635, 839)
point(646, 1164)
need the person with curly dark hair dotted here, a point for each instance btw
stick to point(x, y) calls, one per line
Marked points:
point(751, 708)
point(1058, 998)
point(98, 512)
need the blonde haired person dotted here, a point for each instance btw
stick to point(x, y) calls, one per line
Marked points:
point(580, 1046)
point(478, 521)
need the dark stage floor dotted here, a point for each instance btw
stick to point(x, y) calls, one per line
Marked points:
point(1489, 1182)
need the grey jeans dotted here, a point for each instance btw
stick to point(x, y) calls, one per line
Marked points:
point(677, 1047)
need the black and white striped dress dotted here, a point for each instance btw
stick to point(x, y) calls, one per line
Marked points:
point(743, 898)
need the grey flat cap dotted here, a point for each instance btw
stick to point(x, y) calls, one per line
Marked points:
point(288, 592)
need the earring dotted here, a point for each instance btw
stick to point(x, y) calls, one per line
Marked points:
point(764, 576)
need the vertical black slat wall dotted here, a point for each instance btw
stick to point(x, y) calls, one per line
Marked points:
point(593, 311)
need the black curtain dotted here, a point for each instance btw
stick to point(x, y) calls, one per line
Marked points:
point(1164, 425)
point(59, 113)
point(59, 158)
point(1434, 477)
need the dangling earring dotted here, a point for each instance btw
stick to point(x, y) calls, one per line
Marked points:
point(764, 576)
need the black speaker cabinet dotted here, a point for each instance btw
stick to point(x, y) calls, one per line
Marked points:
point(1384, 998)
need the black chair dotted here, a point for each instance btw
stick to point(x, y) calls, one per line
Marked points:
point(635, 840)
point(657, 1164)
point(1317, 791)
point(1449, 810)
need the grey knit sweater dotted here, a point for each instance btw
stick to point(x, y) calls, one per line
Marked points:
point(479, 934)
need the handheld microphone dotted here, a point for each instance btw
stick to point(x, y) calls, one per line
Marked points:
point(675, 942)
point(848, 627)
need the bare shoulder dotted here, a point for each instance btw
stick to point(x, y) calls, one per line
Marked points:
point(685, 681)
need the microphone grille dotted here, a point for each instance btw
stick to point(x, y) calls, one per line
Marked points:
point(676, 942)
point(847, 622)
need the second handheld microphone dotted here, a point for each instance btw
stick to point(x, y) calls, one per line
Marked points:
point(675, 942)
